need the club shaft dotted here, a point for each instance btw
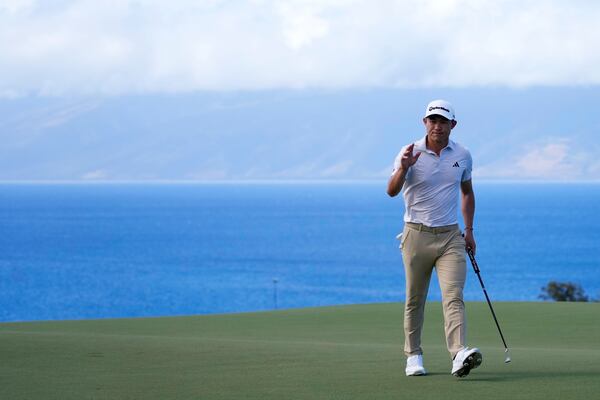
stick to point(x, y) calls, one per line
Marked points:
point(476, 268)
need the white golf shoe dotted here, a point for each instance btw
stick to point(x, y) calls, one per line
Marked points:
point(466, 360)
point(414, 366)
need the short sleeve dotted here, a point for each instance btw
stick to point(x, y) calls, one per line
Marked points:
point(466, 176)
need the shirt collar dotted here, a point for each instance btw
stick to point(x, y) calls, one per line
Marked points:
point(421, 146)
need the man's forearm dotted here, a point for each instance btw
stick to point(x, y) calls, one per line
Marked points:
point(468, 209)
point(396, 182)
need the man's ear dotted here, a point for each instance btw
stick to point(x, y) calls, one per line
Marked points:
point(454, 122)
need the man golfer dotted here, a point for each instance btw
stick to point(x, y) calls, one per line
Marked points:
point(430, 172)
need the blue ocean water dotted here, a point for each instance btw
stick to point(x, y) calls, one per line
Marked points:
point(128, 250)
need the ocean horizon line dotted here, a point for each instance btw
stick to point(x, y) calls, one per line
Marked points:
point(269, 182)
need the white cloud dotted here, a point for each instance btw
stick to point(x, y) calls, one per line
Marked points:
point(559, 160)
point(550, 159)
point(133, 46)
point(14, 7)
point(302, 27)
point(338, 169)
point(96, 175)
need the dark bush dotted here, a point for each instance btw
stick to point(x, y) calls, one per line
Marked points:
point(563, 291)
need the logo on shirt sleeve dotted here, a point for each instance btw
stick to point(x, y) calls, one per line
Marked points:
point(456, 165)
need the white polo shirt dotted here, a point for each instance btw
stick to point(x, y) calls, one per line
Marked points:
point(432, 183)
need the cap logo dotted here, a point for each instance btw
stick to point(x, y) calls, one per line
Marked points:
point(439, 108)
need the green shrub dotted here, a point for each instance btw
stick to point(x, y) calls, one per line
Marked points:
point(563, 291)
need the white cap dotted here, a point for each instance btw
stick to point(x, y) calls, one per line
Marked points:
point(440, 107)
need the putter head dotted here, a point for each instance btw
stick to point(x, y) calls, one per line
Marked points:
point(507, 358)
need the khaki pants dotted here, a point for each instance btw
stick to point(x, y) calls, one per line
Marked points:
point(424, 248)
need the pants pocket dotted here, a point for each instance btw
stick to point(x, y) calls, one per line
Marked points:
point(403, 238)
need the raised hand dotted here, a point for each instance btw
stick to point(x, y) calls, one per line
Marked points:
point(397, 179)
point(408, 159)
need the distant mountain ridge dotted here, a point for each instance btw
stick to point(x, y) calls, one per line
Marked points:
point(283, 135)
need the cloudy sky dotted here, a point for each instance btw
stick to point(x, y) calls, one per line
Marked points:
point(98, 51)
point(120, 46)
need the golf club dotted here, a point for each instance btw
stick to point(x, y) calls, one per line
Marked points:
point(476, 268)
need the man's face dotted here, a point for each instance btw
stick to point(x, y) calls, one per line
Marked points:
point(438, 128)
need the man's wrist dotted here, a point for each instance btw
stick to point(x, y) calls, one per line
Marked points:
point(469, 228)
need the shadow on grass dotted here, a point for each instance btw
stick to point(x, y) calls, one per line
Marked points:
point(521, 376)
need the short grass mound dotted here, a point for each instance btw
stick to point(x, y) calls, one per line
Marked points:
point(346, 352)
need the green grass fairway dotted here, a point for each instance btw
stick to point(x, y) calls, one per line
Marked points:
point(347, 352)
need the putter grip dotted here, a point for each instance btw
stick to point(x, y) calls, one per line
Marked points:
point(473, 262)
